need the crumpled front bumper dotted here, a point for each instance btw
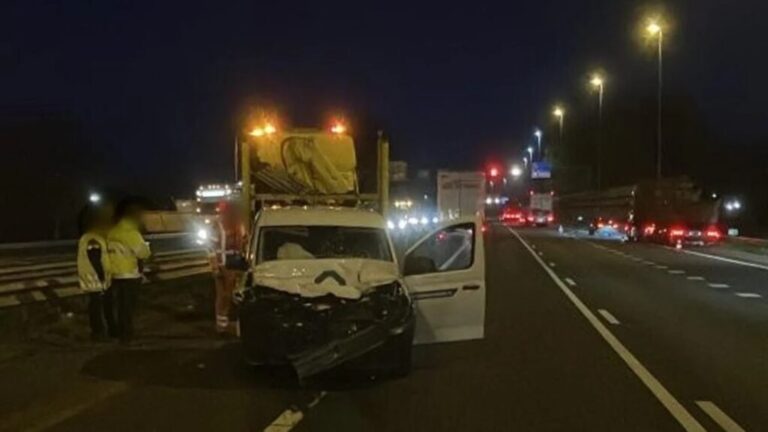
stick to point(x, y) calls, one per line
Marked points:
point(318, 334)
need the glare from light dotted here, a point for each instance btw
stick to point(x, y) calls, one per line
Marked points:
point(558, 111)
point(537, 132)
point(435, 220)
point(423, 220)
point(402, 224)
point(494, 172)
point(653, 28)
point(597, 80)
point(515, 171)
point(202, 234)
point(338, 128)
point(412, 220)
point(390, 224)
point(257, 132)
point(94, 198)
point(714, 196)
point(489, 201)
point(269, 129)
point(496, 200)
point(736, 205)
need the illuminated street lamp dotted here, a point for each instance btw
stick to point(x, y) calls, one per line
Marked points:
point(515, 171)
point(654, 29)
point(598, 82)
point(559, 112)
point(94, 198)
point(530, 153)
point(537, 134)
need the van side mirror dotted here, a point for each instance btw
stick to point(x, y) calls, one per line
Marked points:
point(236, 262)
point(416, 265)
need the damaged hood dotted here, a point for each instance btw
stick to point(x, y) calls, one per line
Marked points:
point(347, 278)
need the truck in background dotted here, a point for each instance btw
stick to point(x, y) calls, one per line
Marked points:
point(672, 211)
point(540, 211)
point(460, 194)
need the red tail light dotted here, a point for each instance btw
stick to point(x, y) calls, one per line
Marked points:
point(600, 224)
point(649, 229)
point(676, 232)
point(551, 218)
point(530, 218)
point(713, 233)
point(484, 228)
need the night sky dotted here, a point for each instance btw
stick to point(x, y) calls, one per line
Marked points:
point(149, 95)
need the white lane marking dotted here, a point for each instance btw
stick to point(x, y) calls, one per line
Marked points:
point(748, 295)
point(541, 253)
point(533, 246)
point(608, 317)
point(57, 416)
point(720, 417)
point(569, 281)
point(696, 278)
point(551, 264)
point(678, 411)
point(728, 260)
point(650, 263)
point(661, 267)
point(676, 271)
point(291, 417)
point(719, 285)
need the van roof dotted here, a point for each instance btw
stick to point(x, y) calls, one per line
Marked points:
point(320, 216)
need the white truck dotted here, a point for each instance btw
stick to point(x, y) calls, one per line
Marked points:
point(540, 212)
point(323, 286)
point(460, 194)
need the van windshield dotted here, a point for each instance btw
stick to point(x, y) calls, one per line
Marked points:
point(316, 242)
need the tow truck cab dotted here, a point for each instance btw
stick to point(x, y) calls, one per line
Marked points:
point(324, 287)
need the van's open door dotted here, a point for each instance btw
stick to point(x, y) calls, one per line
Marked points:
point(445, 273)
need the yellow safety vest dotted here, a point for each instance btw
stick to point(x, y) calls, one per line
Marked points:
point(89, 279)
point(126, 247)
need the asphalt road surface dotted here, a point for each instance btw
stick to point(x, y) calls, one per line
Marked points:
point(581, 335)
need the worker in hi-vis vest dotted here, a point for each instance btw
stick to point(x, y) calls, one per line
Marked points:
point(94, 270)
point(227, 239)
point(127, 251)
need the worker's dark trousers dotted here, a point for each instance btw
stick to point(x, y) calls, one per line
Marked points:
point(101, 313)
point(125, 291)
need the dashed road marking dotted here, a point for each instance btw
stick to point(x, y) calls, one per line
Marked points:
point(661, 267)
point(695, 278)
point(675, 408)
point(650, 263)
point(608, 317)
point(719, 285)
point(291, 417)
point(551, 264)
point(570, 281)
point(721, 418)
point(676, 271)
point(728, 260)
point(541, 253)
point(748, 295)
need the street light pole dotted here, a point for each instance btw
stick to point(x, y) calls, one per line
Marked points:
point(658, 125)
point(559, 112)
point(597, 82)
point(654, 29)
point(537, 133)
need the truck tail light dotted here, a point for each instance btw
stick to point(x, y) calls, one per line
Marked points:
point(676, 232)
point(713, 233)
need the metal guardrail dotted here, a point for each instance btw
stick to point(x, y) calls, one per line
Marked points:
point(73, 242)
point(54, 280)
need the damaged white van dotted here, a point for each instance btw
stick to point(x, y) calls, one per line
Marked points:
point(324, 288)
